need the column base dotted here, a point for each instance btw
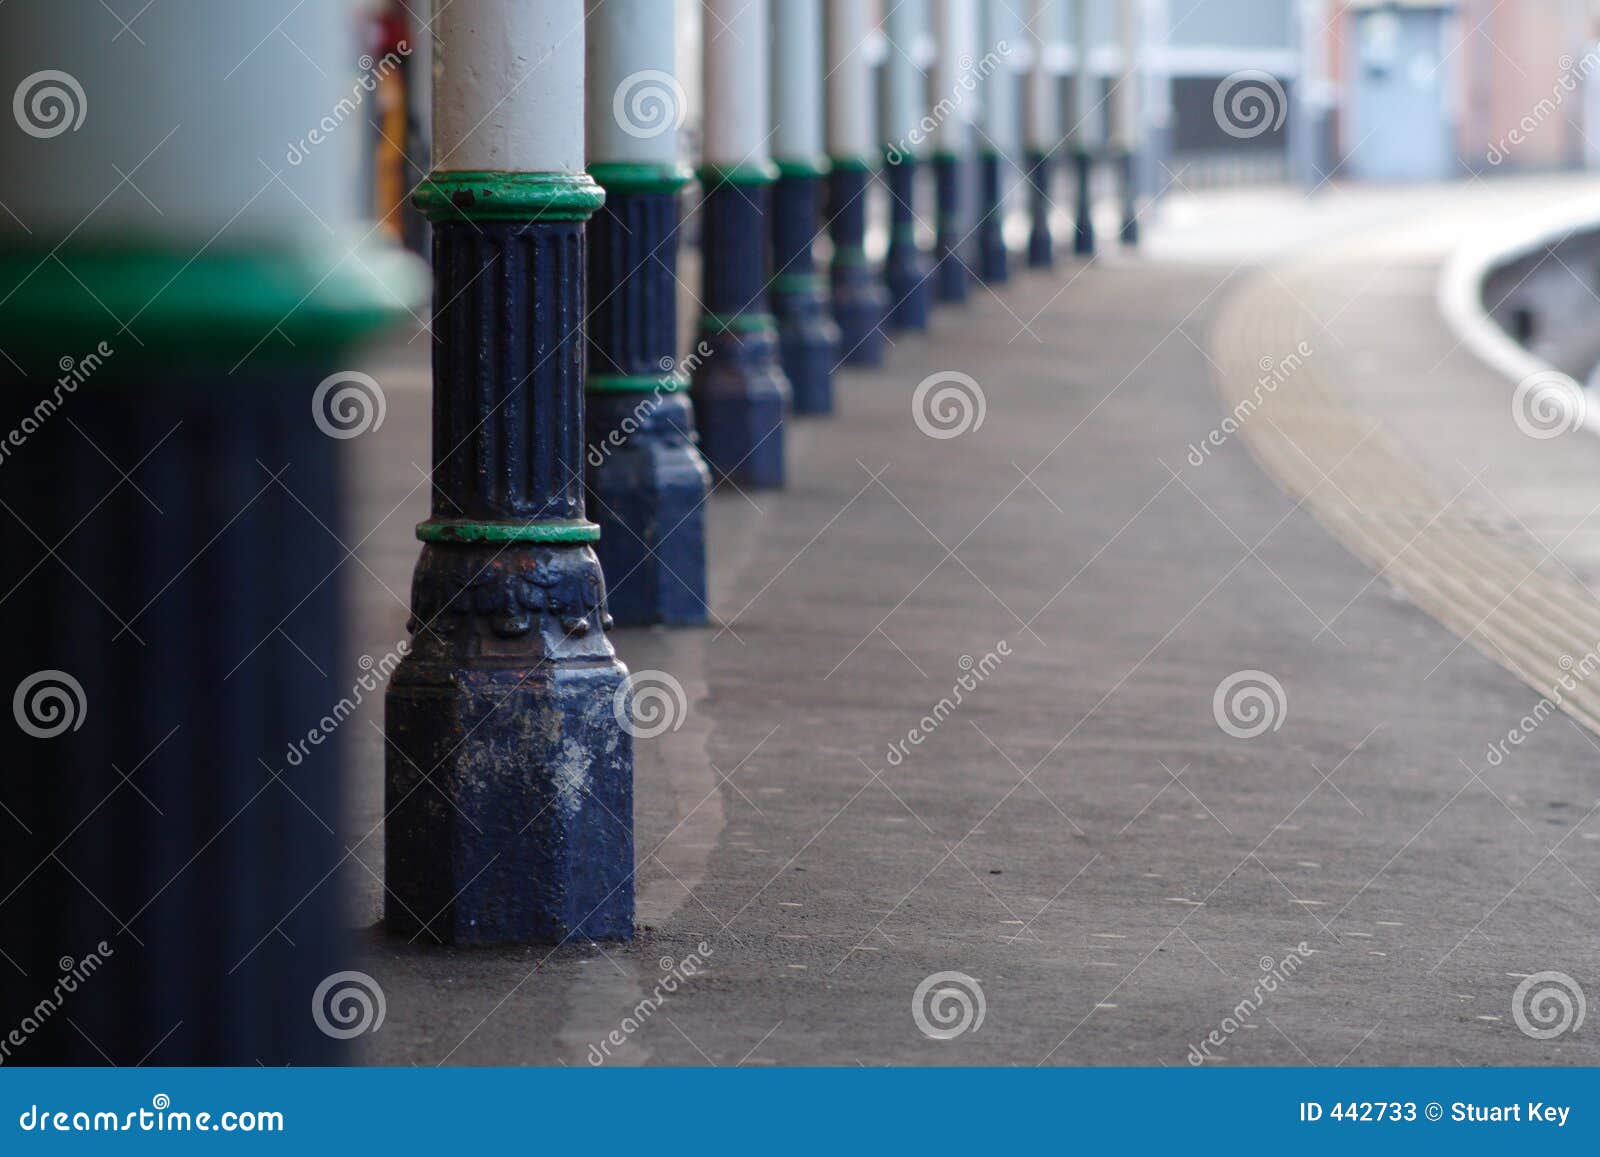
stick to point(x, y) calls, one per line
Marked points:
point(809, 340)
point(860, 297)
point(994, 263)
point(906, 268)
point(1128, 173)
point(950, 275)
point(509, 792)
point(647, 490)
point(1041, 245)
point(740, 393)
point(1083, 240)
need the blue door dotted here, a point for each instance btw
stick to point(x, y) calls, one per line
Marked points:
point(1400, 82)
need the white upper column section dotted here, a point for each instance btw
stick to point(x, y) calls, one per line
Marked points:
point(735, 61)
point(1125, 102)
point(635, 102)
point(1000, 34)
point(904, 27)
point(850, 103)
point(1042, 113)
point(1087, 112)
point(227, 133)
point(508, 86)
point(797, 77)
point(954, 88)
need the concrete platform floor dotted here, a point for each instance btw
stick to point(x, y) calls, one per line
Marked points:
point(1116, 872)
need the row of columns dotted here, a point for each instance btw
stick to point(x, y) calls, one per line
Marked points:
point(507, 708)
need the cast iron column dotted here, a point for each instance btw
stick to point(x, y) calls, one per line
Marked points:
point(997, 154)
point(1125, 107)
point(808, 334)
point(952, 91)
point(647, 481)
point(510, 776)
point(860, 298)
point(176, 388)
point(1043, 119)
point(906, 267)
point(740, 390)
point(1084, 138)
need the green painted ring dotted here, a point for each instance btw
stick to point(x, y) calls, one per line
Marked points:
point(477, 533)
point(738, 322)
point(799, 283)
point(801, 167)
point(478, 196)
point(748, 173)
point(637, 383)
point(855, 164)
point(640, 176)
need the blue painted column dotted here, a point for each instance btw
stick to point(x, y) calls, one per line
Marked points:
point(860, 297)
point(177, 393)
point(808, 335)
point(647, 483)
point(1126, 116)
point(1084, 139)
point(907, 269)
point(740, 390)
point(997, 155)
point(1042, 126)
point(509, 788)
point(952, 93)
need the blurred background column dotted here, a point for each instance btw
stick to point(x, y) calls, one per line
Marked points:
point(997, 154)
point(951, 80)
point(647, 481)
point(860, 299)
point(1042, 124)
point(1084, 137)
point(1127, 127)
point(907, 267)
point(183, 273)
point(740, 390)
point(808, 335)
point(1311, 135)
point(509, 778)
